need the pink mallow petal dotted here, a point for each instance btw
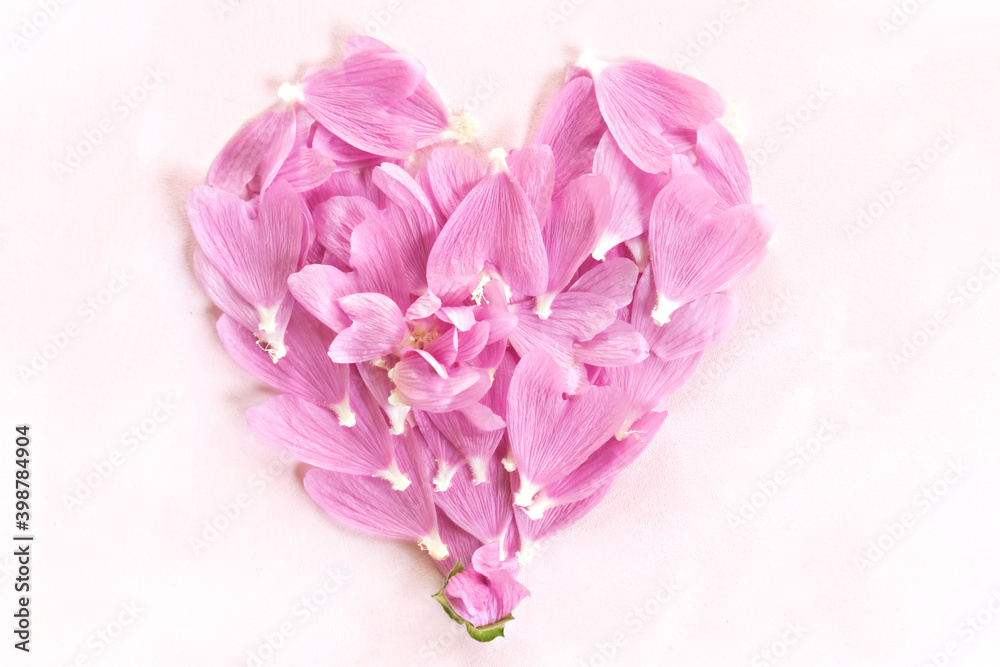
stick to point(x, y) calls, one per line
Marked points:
point(305, 167)
point(451, 173)
point(649, 382)
point(305, 370)
point(721, 163)
point(552, 433)
point(602, 466)
point(409, 221)
point(572, 128)
point(461, 545)
point(374, 506)
point(613, 279)
point(255, 251)
point(534, 532)
point(484, 509)
point(579, 218)
point(632, 193)
point(313, 434)
point(495, 224)
point(336, 219)
point(377, 328)
point(695, 250)
point(249, 162)
point(351, 100)
point(653, 112)
point(692, 327)
point(318, 288)
point(534, 169)
point(618, 345)
point(419, 385)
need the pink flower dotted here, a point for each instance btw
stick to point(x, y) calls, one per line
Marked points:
point(487, 592)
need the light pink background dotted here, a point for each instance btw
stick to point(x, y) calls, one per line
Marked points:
point(821, 319)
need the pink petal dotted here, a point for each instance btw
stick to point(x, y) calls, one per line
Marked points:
point(249, 162)
point(345, 183)
point(613, 279)
point(695, 251)
point(372, 505)
point(409, 220)
point(652, 112)
point(421, 387)
point(376, 262)
point(451, 174)
point(618, 345)
point(222, 293)
point(447, 459)
point(341, 153)
point(572, 127)
point(554, 520)
point(574, 315)
point(579, 217)
point(632, 193)
point(314, 434)
point(475, 443)
point(318, 288)
point(305, 370)
point(494, 224)
point(424, 109)
point(601, 467)
point(551, 433)
point(534, 169)
point(463, 317)
point(350, 100)
point(692, 327)
point(472, 342)
point(305, 168)
point(461, 545)
point(425, 306)
point(377, 328)
point(650, 381)
point(336, 218)
point(721, 163)
point(376, 379)
point(484, 509)
point(424, 112)
point(256, 253)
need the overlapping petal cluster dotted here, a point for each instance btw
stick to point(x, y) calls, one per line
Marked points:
point(469, 351)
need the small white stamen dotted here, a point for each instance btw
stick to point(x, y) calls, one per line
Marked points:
point(291, 92)
point(543, 305)
point(267, 319)
point(442, 480)
point(589, 62)
point(394, 476)
point(605, 244)
point(478, 467)
point(664, 307)
point(344, 413)
point(526, 493)
point(509, 464)
point(462, 127)
point(498, 158)
point(538, 507)
point(437, 549)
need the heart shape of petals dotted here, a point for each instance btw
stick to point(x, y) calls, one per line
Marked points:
point(466, 352)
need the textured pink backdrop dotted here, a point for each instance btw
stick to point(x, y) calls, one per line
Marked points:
point(900, 122)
